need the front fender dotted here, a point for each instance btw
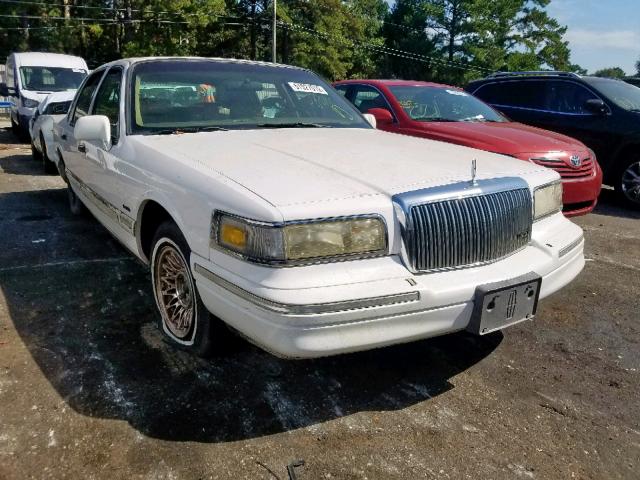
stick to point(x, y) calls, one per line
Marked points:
point(161, 199)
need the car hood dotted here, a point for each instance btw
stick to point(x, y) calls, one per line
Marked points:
point(508, 138)
point(294, 166)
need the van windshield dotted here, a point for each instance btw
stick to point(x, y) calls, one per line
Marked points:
point(195, 95)
point(51, 79)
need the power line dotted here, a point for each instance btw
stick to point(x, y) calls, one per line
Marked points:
point(110, 10)
point(387, 50)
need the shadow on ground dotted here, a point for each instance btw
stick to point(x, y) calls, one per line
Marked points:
point(84, 309)
point(609, 204)
point(90, 328)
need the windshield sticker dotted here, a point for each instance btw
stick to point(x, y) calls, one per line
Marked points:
point(457, 92)
point(307, 88)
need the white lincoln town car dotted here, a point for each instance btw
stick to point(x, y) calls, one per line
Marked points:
point(263, 200)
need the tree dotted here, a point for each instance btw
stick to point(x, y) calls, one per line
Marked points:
point(613, 72)
point(411, 53)
point(638, 67)
point(516, 35)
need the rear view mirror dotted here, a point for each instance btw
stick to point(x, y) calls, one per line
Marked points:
point(382, 116)
point(597, 106)
point(93, 128)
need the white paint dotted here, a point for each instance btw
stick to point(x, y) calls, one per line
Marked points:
point(276, 175)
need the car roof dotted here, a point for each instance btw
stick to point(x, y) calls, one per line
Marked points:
point(46, 59)
point(396, 83)
point(135, 60)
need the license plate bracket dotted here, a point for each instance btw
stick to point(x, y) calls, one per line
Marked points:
point(502, 304)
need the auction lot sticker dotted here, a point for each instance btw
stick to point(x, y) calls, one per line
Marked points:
point(307, 88)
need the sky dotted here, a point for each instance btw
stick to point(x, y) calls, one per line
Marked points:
point(601, 33)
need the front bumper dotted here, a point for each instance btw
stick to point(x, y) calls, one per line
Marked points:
point(293, 316)
point(580, 196)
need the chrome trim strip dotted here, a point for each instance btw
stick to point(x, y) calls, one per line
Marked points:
point(568, 248)
point(126, 222)
point(308, 309)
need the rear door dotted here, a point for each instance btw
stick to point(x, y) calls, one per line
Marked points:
point(520, 100)
point(73, 159)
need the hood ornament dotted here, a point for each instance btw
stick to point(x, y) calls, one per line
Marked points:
point(474, 169)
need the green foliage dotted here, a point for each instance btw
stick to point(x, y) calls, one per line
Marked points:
point(442, 40)
point(613, 72)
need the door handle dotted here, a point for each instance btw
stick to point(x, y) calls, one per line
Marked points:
point(63, 136)
point(82, 148)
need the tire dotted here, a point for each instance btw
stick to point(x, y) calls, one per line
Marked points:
point(628, 182)
point(184, 319)
point(35, 154)
point(75, 204)
point(48, 166)
point(15, 128)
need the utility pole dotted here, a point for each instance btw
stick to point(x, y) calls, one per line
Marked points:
point(275, 22)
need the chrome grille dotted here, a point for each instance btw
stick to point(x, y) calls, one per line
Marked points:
point(468, 230)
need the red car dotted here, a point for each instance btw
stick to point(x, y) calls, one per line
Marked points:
point(449, 114)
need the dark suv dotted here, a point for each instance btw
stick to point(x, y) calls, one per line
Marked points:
point(601, 112)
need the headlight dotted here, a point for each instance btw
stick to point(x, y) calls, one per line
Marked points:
point(547, 200)
point(300, 242)
point(29, 103)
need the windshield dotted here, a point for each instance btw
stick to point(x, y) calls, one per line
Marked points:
point(51, 79)
point(623, 94)
point(436, 104)
point(190, 95)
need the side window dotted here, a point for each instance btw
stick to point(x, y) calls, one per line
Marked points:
point(107, 101)
point(84, 97)
point(567, 97)
point(522, 94)
point(341, 89)
point(365, 98)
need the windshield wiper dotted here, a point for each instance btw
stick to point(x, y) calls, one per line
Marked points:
point(179, 130)
point(434, 119)
point(293, 125)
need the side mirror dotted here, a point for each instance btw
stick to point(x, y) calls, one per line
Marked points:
point(595, 105)
point(370, 118)
point(4, 90)
point(93, 128)
point(382, 116)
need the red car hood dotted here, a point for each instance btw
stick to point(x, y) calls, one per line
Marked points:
point(508, 138)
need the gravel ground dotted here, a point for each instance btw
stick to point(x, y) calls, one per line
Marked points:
point(89, 389)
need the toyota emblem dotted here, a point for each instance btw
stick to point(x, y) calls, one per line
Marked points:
point(575, 160)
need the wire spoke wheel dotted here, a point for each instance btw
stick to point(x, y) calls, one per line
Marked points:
point(174, 291)
point(631, 182)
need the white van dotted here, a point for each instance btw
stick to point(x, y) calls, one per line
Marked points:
point(31, 76)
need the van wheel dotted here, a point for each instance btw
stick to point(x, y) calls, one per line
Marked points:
point(183, 317)
point(15, 128)
point(75, 204)
point(48, 166)
point(628, 184)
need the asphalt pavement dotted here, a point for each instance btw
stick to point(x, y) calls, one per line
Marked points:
point(89, 389)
